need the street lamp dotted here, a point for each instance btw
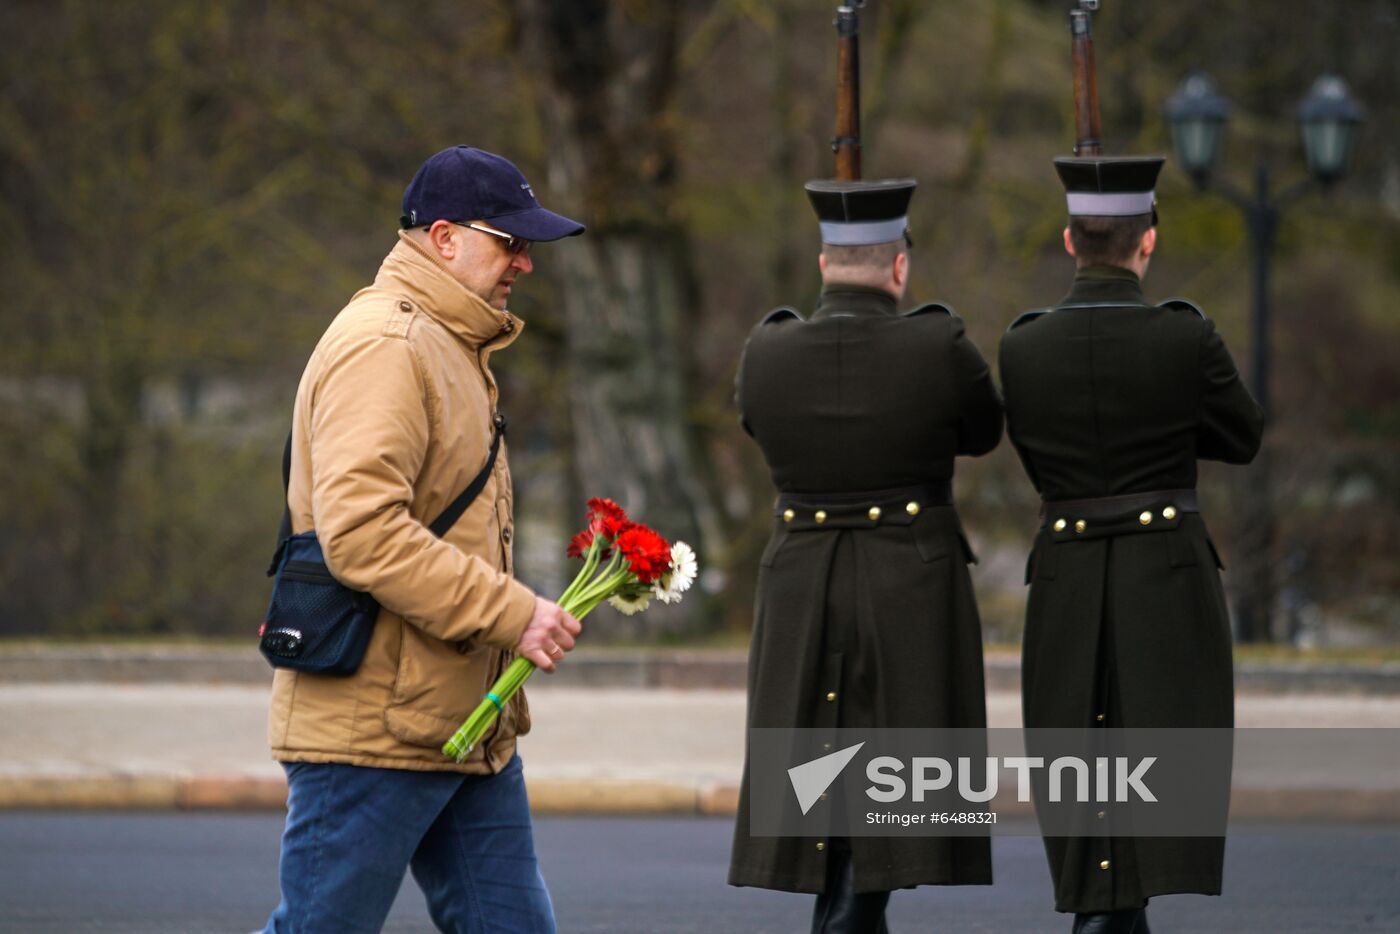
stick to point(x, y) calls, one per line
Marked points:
point(1197, 114)
point(1328, 118)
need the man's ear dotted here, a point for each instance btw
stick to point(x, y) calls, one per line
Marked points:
point(821, 262)
point(901, 268)
point(443, 236)
point(1069, 243)
point(1149, 242)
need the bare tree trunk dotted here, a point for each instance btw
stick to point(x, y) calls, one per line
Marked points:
point(629, 288)
point(112, 398)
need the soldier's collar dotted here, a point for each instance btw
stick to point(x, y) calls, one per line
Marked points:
point(858, 300)
point(1105, 284)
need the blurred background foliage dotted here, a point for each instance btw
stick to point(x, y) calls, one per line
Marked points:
point(190, 191)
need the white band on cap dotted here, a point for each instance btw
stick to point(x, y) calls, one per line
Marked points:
point(863, 233)
point(1111, 204)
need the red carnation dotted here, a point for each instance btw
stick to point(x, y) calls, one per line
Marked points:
point(605, 506)
point(580, 543)
point(646, 553)
point(606, 518)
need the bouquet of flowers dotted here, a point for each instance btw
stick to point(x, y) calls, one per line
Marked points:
point(624, 563)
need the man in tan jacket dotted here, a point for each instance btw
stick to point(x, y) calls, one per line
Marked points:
point(393, 419)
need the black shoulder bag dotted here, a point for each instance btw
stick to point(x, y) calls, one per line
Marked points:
point(314, 622)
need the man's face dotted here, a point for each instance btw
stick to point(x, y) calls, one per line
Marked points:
point(481, 261)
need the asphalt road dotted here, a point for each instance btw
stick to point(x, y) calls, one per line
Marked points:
point(191, 874)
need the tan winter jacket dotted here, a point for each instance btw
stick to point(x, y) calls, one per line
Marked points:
point(393, 419)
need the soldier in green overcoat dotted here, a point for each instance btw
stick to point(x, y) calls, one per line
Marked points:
point(864, 612)
point(1110, 402)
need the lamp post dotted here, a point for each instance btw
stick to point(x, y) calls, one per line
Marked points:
point(1328, 117)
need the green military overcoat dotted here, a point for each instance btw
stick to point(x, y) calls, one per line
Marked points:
point(864, 619)
point(1126, 623)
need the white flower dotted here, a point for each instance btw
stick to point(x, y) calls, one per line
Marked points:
point(630, 604)
point(684, 566)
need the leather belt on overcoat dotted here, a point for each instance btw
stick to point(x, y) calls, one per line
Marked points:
point(1158, 510)
point(861, 510)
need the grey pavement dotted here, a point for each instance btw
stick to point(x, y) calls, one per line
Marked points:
point(591, 749)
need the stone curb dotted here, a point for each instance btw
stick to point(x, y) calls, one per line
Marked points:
point(677, 669)
point(561, 796)
point(90, 792)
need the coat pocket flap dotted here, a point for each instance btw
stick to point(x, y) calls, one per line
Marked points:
point(1044, 560)
point(1215, 553)
point(775, 544)
point(930, 539)
point(969, 555)
point(1181, 549)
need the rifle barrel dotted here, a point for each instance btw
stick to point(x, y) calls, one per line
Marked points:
point(846, 144)
point(1088, 133)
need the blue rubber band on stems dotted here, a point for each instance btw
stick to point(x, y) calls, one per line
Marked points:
point(495, 700)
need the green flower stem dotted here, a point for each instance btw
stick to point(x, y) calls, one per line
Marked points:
point(591, 605)
point(607, 583)
point(590, 564)
point(584, 600)
point(608, 571)
point(469, 734)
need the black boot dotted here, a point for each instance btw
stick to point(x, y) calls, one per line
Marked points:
point(839, 910)
point(1130, 921)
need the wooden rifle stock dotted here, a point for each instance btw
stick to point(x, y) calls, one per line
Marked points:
point(1088, 134)
point(846, 143)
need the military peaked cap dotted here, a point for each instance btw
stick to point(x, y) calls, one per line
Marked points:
point(862, 213)
point(1103, 186)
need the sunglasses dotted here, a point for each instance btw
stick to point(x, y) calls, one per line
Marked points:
point(514, 245)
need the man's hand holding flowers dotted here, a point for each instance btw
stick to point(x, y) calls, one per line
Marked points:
point(625, 563)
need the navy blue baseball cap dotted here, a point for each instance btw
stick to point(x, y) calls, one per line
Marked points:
point(464, 184)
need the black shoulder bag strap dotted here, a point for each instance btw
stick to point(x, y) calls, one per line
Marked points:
point(442, 523)
point(454, 510)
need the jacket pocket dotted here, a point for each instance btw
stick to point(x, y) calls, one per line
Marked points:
point(522, 722)
point(435, 688)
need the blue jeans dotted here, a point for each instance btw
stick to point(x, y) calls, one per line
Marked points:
point(352, 831)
